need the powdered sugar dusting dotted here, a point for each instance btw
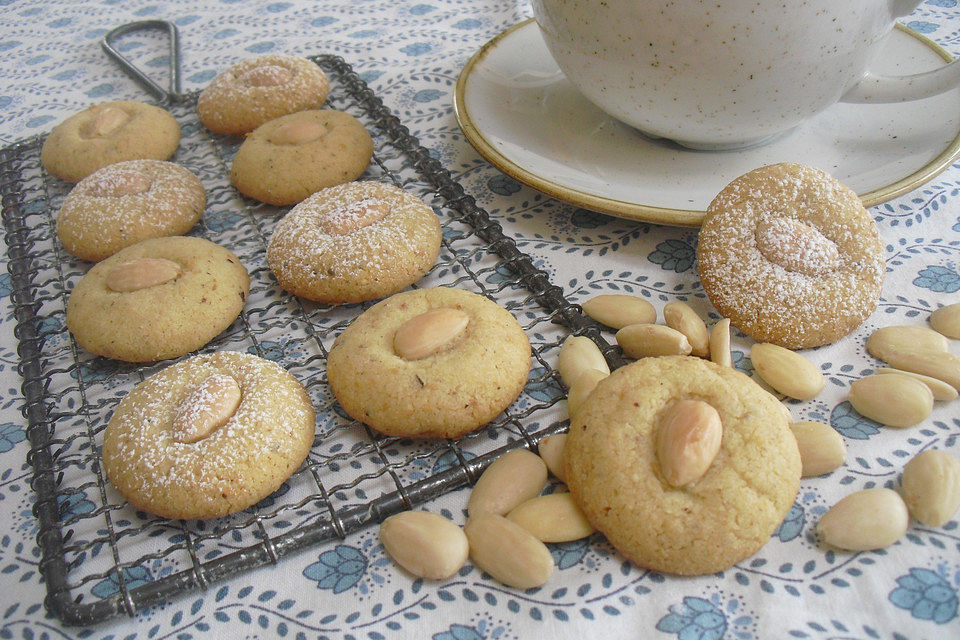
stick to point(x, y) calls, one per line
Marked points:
point(354, 232)
point(102, 210)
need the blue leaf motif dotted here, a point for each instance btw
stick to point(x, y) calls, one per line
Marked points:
point(339, 569)
point(695, 619)
point(926, 596)
point(132, 577)
point(568, 554)
point(939, 279)
point(792, 524)
point(584, 219)
point(501, 185)
point(673, 255)
point(459, 632)
point(10, 435)
point(851, 424)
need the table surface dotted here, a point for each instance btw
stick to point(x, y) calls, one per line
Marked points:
point(411, 53)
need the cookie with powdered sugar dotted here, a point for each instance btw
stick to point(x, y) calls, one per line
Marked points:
point(791, 256)
point(256, 90)
point(354, 242)
point(126, 202)
point(210, 435)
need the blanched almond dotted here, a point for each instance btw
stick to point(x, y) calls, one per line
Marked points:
point(681, 316)
point(508, 552)
point(688, 439)
point(119, 183)
point(865, 520)
point(883, 341)
point(555, 517)
point(582, 387)
point(787, 371)
point(141, 273)
point(822, 449)
point(756, 377)
point(428, 333)
point(940, 389)
point(617, 310)
point(891, 399)
point(425, 544)
point(931, 487)
point(107, 121)
point(205, 409)
point(720, 343)
point(936, 364)
point(513, 478)
point(551, 452)
point(296, 132)
point(577, 354)
point(644, 340)
point(266, 75)
point(946, 320)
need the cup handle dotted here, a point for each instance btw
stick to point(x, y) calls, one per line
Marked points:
point(879, 89)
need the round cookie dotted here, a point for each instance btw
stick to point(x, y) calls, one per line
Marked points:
point(285, 160)
point(791, 256)
point(471, 377)
point(258, 89)
point(126, 202)
point(354, 242)
point(106, 133)
point(157, 299)
point(723, 517)
point(152, 456)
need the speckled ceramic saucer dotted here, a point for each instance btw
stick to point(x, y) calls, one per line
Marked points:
point(519, 111)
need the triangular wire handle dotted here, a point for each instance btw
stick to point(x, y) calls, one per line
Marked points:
point(164, 95)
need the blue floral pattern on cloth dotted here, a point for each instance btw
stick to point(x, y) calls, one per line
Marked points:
point(411, 55)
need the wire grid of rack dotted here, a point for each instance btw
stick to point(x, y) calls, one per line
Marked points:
point(102, 558)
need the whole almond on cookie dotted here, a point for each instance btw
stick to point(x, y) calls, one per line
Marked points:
point(141, 273)
point(688, 440)
point(426, 334)
point(207, 408)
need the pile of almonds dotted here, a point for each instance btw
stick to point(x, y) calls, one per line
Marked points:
point(507, 526)
point(509, 521)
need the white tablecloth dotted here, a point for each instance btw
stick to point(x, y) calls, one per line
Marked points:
point(411, 53)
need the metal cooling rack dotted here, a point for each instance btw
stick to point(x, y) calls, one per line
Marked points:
point(100, 556)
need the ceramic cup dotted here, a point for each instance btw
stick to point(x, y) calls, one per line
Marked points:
point(725, 74)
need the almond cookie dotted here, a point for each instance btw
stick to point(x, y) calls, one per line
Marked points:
point(790, 255)
point(645, 478)
point(435, 362)
point(287, 159)
point(106, 133)
point(249, 93)
point(208, 436)
point(157, 299)
point(126, 202)
point(354, 242)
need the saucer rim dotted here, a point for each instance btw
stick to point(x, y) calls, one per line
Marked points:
point(650, 213)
